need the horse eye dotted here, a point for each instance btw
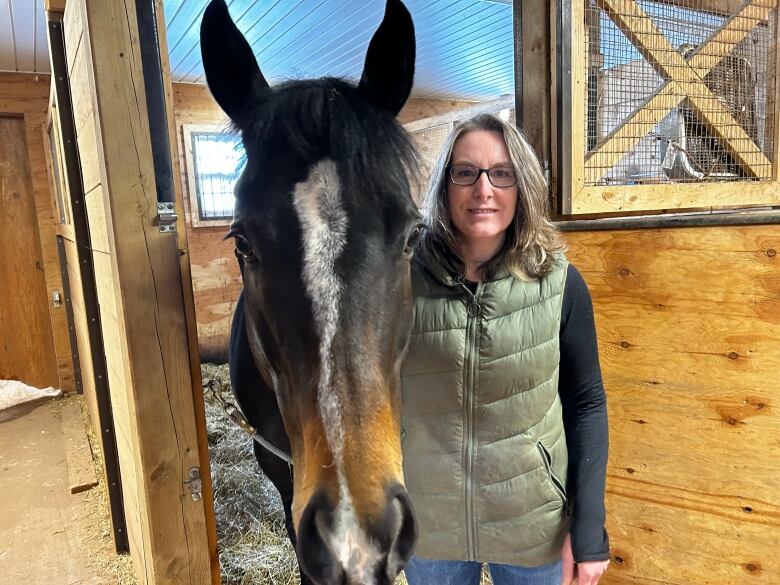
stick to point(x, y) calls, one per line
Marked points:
point(243, 247)
point(413, 239)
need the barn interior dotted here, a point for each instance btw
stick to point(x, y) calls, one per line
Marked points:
point(658, 123)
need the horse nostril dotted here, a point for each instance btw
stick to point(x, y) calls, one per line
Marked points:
point(405, 532)
point(315, 552)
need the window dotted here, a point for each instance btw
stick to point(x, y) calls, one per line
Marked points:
point(214, 162)
point(667, 106)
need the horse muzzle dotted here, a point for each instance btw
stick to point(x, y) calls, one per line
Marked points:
point(335, 547)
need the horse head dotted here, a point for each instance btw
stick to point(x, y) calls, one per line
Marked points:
point(324, 226)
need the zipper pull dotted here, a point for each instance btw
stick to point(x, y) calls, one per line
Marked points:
point(473, 308)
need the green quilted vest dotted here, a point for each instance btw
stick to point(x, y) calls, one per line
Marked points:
point(483, 444)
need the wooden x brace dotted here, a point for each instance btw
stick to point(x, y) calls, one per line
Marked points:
point(684, 79)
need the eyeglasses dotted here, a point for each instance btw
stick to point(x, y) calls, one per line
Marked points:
point(500, 177)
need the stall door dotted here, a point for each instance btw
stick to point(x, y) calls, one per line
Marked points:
point(26, 344)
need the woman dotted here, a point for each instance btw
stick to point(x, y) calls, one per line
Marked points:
point(501, 376)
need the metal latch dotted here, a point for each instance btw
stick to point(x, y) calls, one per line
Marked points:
point(166, 217)
point(194, 485)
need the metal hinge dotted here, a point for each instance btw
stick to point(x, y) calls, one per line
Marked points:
point(166, 217)
point(194, 485)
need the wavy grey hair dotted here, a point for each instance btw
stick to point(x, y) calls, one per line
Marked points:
point(531, 241)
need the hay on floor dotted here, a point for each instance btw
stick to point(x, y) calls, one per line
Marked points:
point(253, 543)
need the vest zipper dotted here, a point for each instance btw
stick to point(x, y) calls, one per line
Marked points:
point(474, 310)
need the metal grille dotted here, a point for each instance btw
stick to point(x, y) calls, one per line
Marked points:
point(219, 159)
point(678, 93)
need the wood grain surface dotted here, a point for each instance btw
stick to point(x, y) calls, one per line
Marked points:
point(688, 325)
point(26, 97)
point(26, 343)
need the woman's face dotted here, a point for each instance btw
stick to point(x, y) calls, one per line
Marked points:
point(481, 212)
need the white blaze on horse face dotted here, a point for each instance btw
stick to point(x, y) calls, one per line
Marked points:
point(324, 223)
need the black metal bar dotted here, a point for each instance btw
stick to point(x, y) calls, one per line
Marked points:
point(560, 176)
point(677, 220)
point(74, 346)
point(72, 173)
point(148, 39)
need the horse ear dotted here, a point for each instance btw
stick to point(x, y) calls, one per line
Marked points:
point(232, 73)
point(389, 69)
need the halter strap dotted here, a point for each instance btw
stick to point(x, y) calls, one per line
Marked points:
point(234, 413)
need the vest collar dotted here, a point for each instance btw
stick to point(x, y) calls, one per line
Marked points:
point(454, 280)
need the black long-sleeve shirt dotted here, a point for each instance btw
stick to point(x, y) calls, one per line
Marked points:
point(584, 419)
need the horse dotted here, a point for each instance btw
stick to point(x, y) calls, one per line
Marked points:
point(324, 227)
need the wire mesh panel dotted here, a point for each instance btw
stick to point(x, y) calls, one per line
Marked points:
point(430, 139)
point(428, 142)
point(679, 91)
point(218, 159)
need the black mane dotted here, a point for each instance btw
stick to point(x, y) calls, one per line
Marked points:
point(329, 118)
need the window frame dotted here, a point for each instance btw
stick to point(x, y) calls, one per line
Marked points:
point(194, 210)
point(577, 201)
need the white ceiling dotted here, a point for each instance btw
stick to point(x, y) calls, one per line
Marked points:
point(464, 47)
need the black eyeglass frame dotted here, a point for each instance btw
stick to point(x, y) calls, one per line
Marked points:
point(479, 174)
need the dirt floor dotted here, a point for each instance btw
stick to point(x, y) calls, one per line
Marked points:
point(49, 535)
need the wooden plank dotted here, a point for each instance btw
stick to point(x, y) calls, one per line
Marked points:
point(653, 542)
point(719, 7)
point(74, 25)
point(46, 224)
point(28, 352)
point(82, 337)
point(652, 44)
point(533, 74)
point(490, 107)
point(773, 97)
point(80, 88)
point(675, 196)
point(27, 95)
point(419, 108)
point(98, 226)
point(88, 144)
point(151, 325)
point(689, 345)
point(54, 5)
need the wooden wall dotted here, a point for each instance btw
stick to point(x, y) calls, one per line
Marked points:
point(215, 277)
point(689, 336)
point(28, 95)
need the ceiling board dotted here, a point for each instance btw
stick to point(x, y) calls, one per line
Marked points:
point(464, 47)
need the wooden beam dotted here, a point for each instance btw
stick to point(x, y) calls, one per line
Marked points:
point(533, 74)
point(54, 5)
point(143, 314)
point(190, 319)
point(501, 103)
point(719, 7)
point(773, 102)
point(654, 47)
point(664, 196)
